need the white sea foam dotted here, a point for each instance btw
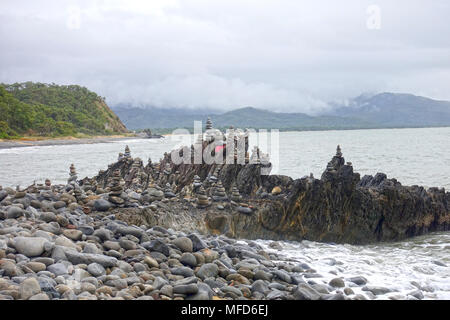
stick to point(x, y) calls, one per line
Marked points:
point(391, 265)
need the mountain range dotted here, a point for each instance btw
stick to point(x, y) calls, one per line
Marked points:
point(384, 110)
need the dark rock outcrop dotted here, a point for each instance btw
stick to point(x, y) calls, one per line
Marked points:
point(339, 207)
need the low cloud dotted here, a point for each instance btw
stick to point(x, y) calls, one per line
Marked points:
point(278, 55)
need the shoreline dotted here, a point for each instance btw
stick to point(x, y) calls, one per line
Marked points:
point(8, 144)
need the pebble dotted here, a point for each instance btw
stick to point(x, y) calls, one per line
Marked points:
point(376, 290)
point(30, 247)
point(185, 289)
point(96, 269)
point(188, 259)
point(36, 266)
point(360, 281)
point(306, 292)
point(28, 288)
point(74, 235)
point(184, 244)
point(337, 283)
point(208, 270)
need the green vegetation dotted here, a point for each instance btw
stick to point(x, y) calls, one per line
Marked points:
point(50, 110)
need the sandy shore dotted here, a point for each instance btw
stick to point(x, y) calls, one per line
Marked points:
point(4, 144)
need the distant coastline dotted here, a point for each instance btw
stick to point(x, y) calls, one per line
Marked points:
point(70, 140)
point(40, 141)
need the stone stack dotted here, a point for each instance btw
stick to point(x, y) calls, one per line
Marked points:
point(116, 189)
point(168, 191)
point(48, 184)
point(335, 163)
point(176, 178)
point(127, 153)
point(137, 177)
point(202, 199)
point(244, 208)
point(121, 157)
point(79, 194)
point(338, 152)
point(196, 184)
point(167, 169)
point(209, 125)
point(254, 159)
point(72, 175)
point(156, 172)
point(153, 193)
point(209, 132)
point(87, 185)
point(235, 195)
point(219, 193)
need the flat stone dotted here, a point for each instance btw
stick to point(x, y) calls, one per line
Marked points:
point(188, 259)
point(236, 277)
point(87, 230)
point(276, 295)
point(416, 294)
point(232, 290)
point(262, 275)
point(259, 286)
point(102, 205)
point(36, 266)
point(182, 271)
point(72, 234)
point(88, 258)
point(208, 270)
point(58, 269)
point(28, 288)
point(305, 292)
point(376, 290)
point(111, 245)
point(30, 247)
point(197, 243)
point(184, 244)
point(127, 244)
point(158, 246)
point(14, 212)
point(9, 268)
point(47, 216)
point(103, 234)
point(185, 289)
point(282, 275)
point(359, 280)
point(337, 283)
point(152, 263)
point(39, 296)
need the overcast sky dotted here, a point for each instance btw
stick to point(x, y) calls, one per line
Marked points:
point(279, 55)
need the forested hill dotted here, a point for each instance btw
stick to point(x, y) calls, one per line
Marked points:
point(38, 109)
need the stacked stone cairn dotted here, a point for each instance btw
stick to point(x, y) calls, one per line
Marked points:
point(153, 193)
point(196, 184)
point(72, 181)
point(127, 153)
point(168, 191)
point(116, 189)
point(219, 193)
point(235, 195)
point(202, 198)
point(255, 158)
